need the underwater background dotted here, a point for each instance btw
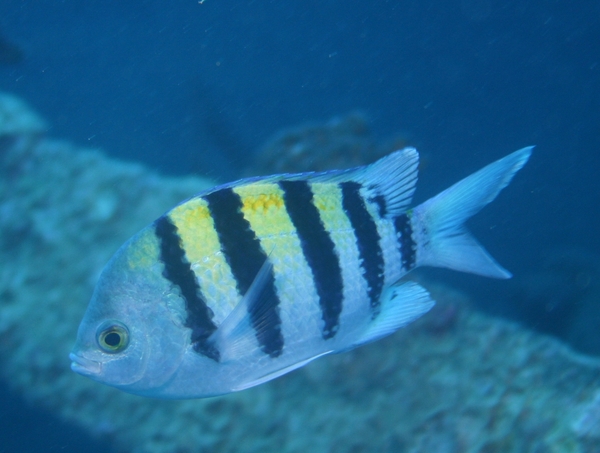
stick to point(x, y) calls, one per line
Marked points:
point(177, 96)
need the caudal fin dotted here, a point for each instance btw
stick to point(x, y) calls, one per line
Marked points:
point(438, 224)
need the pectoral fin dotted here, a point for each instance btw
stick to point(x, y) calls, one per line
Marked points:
point(254, 322)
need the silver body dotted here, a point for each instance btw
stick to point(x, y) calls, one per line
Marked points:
point(195, 326)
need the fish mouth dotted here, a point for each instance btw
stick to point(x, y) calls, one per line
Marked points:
point(83, 366)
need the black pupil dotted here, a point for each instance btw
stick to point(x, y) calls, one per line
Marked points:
point(112, 339)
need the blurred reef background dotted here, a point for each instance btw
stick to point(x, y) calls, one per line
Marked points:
point(112, 112)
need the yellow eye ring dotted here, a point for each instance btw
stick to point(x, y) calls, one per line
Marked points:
point(113, 337)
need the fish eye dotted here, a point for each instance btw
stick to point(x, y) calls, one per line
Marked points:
point(112, 337)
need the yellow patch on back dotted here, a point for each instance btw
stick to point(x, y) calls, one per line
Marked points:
point(196, 229)
point(143, 250)
point(327, 198)
point(263, 207)
point(202, 248)
point(262, 203)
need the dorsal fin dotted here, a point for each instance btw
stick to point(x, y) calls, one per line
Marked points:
point(389, 183)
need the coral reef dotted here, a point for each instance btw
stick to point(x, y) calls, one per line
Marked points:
point(455, 381)
point(17, 118)
point(20, 126)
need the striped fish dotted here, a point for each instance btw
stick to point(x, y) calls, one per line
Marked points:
point(250, 280)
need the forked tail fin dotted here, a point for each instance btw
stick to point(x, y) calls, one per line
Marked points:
point(438, 224)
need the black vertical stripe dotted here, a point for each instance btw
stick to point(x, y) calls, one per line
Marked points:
point(367, 239)
point(408, 247)
point(379, 200)
point(179, 272)
point(245, 257)
point(319, 250)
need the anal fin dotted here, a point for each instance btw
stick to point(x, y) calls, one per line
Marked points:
point(275, 374)
point(401, 304)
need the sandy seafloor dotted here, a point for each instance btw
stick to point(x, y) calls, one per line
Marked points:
point(203, 89)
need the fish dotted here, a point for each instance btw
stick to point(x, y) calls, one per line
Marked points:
point(251, 280)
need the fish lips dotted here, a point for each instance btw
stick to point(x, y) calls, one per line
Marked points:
point(85, 367)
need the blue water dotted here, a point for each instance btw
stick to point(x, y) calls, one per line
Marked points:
point(189, 87)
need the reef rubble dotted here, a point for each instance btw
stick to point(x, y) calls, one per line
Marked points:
point(455, 381)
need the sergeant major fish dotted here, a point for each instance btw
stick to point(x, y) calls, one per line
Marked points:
point(251, 280)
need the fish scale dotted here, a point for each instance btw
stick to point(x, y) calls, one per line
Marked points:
point(264, 208)
point(202, 248)
point(328, 199)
